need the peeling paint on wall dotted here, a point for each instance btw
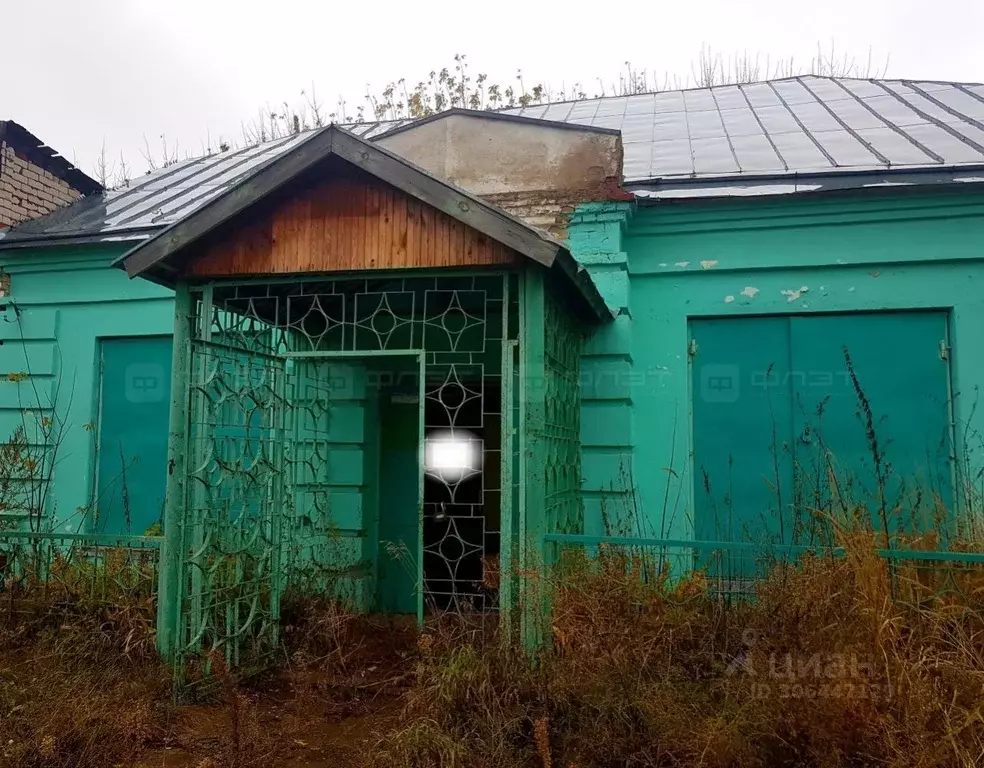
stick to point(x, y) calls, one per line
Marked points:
point(793, 295)
point(710, 264)
point(682, 264)
point(834, 242)
point(728, 299)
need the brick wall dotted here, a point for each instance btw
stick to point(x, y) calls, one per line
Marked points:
point(27, 191)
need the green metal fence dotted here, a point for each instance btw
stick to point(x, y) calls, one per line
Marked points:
point(734, 570)
point(51, 569)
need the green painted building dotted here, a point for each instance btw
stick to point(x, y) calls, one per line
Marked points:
point(86, 361)
point(776, 296)
point(754, 363)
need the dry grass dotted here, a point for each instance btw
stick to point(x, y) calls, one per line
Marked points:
point(80, 684)
point(836, 662)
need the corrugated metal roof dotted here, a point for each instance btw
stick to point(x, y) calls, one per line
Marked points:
point(159, 199)
point(801, 126)
point(787, 135)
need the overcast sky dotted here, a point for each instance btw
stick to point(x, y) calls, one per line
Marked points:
point(78, 73)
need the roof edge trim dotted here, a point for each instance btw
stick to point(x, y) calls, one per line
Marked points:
point(944, 172)
point(55, 241)
point(501, 116)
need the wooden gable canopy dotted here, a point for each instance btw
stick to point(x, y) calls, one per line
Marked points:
point(348, 221)
point(330, 204)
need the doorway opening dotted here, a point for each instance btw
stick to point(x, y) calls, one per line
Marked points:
point(462, 507)
point(439, 546)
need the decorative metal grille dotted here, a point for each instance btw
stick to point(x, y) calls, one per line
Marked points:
point(562, 422)
point(436, 315)
point(234, 512)
point(283, 427)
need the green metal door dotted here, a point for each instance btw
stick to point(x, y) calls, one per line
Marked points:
point(800, 418)
point(135, 391)
point(871, 416)
point(328, 409)
point(742, 424)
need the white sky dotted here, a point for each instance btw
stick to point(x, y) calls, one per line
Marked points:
point(81, 72)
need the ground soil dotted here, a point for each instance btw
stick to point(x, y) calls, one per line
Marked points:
point(303, 732)
point(316, 709)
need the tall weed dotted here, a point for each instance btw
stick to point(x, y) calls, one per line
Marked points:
point(846, 660)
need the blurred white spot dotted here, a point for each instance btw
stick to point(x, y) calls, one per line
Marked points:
point(452, 455)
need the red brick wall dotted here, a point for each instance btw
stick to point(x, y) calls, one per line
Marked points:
point(28, 191)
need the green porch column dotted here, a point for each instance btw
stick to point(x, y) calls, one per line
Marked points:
point(168, 595)
point(597, 235)
point(532, 505)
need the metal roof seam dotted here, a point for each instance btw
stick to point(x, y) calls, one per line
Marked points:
point(858, 137)
point(941, 105)
point(803, 128)
point(594, 115)
point(690, 141)
point(221, 172)
point(727, 133)
point(941, 125)
point(912, 140)
point(962, 87)
point(767, 135)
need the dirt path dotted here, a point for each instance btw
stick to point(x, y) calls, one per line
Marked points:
point(318, 712)
point(296, 731)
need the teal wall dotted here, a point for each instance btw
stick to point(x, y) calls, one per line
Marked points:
point(597, 239)
point(68, 299)
point(665, 265)
point(661, 267)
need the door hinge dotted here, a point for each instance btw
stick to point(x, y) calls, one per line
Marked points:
point(692, 348)
point(944, 350)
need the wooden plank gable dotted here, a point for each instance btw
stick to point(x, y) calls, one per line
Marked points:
point(348, 223)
